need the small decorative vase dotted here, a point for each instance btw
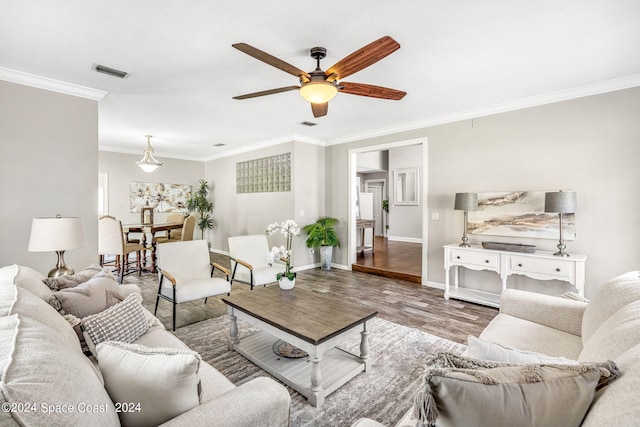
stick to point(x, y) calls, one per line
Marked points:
point(286, 284)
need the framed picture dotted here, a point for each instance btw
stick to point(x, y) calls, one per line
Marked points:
point(146, 215)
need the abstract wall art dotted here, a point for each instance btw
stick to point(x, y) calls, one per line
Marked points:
point(162, 197)
point(518, 214)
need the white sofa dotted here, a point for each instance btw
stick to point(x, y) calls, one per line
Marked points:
point(47, 380)
point(607, 328)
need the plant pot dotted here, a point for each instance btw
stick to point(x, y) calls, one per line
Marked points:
point(286, 284)
point(326, 253)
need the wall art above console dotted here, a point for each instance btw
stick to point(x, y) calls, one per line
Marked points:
point(518, 214)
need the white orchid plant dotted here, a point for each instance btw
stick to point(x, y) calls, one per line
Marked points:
point(290, 229)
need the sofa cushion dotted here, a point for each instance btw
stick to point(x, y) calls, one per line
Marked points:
point(485, 350)
point(39, 367)
point(73, 280)
point(616, 335)
point(26, 278)
point(529, 336)
point(162, 382)
point(611, 297)
point(94, 296)
point(124, 321)
point(461, 391)
point(617, 404)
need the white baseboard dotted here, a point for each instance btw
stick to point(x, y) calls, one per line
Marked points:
point(341, 266)
point(307, 267)
point(218, 251)
point(404, 239)
point(434, 285)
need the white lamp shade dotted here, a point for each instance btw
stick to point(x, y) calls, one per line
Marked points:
point(56, 234)
point(466, 202)
point(560, 202)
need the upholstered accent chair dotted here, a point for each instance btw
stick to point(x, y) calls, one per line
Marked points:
point(111, 241)
point(248, 255)
point(188, 271)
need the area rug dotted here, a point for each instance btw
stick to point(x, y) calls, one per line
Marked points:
point(385, 393)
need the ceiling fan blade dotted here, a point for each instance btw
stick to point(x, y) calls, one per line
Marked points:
point(320, 110)
point(371, 91)
point(270, 59)
point(363, 57)
point(267, 92)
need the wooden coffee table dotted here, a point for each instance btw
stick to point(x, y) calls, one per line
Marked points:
point(311, 321)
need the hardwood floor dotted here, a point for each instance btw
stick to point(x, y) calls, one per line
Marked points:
point(399, 260)
point(395, 300)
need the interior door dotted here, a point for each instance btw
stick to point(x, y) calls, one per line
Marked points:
point(377, 189)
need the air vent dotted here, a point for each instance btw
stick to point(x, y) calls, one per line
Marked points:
point(308, 124)
point(219, 144)
point(111, 71)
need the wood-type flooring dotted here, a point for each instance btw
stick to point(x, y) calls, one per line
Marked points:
point(399, 260)
point(398, 301)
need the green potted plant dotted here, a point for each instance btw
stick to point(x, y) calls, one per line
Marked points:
point(323, 235)
point(203, 208)
point(385, 208)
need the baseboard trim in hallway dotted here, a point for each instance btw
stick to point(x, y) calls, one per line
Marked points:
point(387, 273)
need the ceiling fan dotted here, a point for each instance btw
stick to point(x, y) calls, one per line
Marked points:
point(318, 86)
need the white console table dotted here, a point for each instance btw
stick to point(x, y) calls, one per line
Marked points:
point(540, 265)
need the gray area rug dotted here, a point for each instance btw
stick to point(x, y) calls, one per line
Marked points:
point(384, 393)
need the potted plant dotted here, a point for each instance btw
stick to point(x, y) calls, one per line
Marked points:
point(199, 204)
point(289, 228)
point(323, 235)
point(385, 208)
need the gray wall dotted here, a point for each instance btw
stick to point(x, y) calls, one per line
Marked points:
point(405, 221)
point(49, 165)
point(122, 170)
point(241, 214)
point(589, 144)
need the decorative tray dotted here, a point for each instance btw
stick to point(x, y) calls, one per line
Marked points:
point(514, 247)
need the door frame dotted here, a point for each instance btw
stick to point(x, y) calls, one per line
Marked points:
point(424, 190)
point(385, 193)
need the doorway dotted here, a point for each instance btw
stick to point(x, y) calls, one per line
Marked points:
point(421, 250)
point(378, 187)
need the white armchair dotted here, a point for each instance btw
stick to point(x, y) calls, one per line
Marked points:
point(189, 273)
point(249, 264)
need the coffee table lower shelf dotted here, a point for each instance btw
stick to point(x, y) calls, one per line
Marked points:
point(338, 366)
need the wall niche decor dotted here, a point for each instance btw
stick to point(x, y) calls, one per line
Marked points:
point(265, 175)
point(518, 214)
point(162, 197)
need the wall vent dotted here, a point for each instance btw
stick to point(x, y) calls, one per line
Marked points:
point(308, 124)
point(110, 71)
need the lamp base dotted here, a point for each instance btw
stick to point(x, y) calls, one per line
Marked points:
point(561, 246)
point(464, 245)
point(60, 271)
point(561, 253)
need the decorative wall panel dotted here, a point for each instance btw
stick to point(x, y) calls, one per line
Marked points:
point(265, 175)
point(162, 197)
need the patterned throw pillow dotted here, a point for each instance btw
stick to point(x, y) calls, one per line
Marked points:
point(486, 350)
point(461, 391)
point(158, 383)
point(97, 294)
point(124, 322)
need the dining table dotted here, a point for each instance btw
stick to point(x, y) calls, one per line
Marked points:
point(152, 230)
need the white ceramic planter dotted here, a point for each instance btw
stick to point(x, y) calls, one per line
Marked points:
point(286, 284)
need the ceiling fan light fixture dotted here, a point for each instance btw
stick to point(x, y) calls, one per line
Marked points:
point(148, 162)
point(318, 92)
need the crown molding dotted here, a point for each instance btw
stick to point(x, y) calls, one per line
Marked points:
point(518, 104)
point(120, 150)
point(46, 83)
point(268, 143)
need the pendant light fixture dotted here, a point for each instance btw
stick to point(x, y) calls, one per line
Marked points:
point(148, 162)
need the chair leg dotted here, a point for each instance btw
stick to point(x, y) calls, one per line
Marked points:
point(158, 296)
point(174, 315)
point(101, 258)
point(205, 300)
point(139, 262)
point(123, 266)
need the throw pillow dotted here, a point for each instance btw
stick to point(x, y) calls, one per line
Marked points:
point(72, 280)
point(157, 383)
point(124, 321)
point(486, 350)
point(461, 391)
point(96, 295)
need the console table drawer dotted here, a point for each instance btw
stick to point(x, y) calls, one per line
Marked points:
point(485, 260)
point(557, 268)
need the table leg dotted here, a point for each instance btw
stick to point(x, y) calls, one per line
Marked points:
point(364, 347)
point(446, 282)
point(154, 247)
point(233, 333)
point(316, 395)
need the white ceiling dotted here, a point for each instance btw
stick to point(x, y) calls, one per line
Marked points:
point(458, 58)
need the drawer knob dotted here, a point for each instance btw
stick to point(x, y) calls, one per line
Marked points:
point(558, 270)
point(519, 265)
point(487, 261)
point(458, 257)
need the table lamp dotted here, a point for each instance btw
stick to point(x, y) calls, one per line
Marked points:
point(560, 202)
point(465, 202)
point(56, 235)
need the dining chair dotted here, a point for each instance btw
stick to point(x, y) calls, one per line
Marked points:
point(186, 232)
point(175, 217)
point(249, 264)
point(111, 241)
point(188, 271)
